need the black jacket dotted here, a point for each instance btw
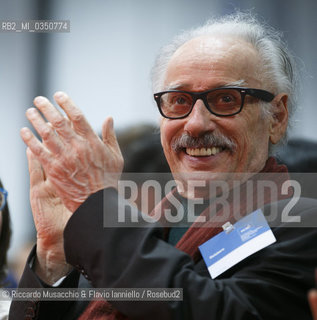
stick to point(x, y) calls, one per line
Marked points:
point(270, 284)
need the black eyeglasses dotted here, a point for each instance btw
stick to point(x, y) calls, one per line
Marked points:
point(223, 102)
point(3, 198)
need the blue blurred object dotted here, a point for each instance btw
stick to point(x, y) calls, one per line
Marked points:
point(10, 281)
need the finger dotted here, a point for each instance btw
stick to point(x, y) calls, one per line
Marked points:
point(35, 169)
point(58, 121)
point(108, 134)
point(80, 124)
point(312, 297)
point(35, 145)
point(45, 142)
point(46, 132)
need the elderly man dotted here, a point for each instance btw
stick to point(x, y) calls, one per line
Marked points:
point(223, 91)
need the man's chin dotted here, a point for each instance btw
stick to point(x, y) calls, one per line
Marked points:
point(207, 185)
point(202, 185)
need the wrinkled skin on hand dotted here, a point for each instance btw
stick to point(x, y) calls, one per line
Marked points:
point(70, 163)
point(75, 160)
point(50, 218)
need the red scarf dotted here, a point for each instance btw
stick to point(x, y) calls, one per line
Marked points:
point(196, 235)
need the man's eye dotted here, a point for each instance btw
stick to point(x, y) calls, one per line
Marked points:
point(226, 99)
point(180, 100)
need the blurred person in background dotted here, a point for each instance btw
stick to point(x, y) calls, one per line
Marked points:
point(5, 234)
point(144, 160)
point(300, 157)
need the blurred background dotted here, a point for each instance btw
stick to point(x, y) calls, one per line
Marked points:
point(104, 64)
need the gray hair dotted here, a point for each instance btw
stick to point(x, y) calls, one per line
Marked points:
point(278, 63)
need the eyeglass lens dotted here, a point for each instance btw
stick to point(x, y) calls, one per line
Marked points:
point(223, 102)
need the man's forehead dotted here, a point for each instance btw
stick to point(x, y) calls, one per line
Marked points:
point(226, 60)
point(212, 45)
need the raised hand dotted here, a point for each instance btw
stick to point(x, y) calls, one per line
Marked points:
point(74, 158)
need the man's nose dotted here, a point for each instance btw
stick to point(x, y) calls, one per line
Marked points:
point(200, 120)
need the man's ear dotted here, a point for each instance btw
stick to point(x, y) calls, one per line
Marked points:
point(279, 119)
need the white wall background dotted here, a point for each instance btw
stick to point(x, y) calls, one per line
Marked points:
point(17, 74)
point(104, 64)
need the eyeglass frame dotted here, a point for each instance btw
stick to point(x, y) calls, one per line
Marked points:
point(5, 194)
point(257, 93)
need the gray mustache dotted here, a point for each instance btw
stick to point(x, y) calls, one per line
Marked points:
point(214, 139)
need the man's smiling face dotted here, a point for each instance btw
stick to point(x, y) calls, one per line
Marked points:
point(242, 140)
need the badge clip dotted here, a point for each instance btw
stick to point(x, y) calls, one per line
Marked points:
point(227, 227)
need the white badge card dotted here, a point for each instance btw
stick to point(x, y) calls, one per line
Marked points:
point(247, 236)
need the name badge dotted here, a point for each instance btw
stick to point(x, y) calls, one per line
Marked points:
point(247, 236)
